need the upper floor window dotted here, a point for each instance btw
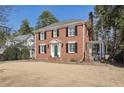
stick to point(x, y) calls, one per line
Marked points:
point(42, 35)
point(71, 31)
point(55, 33)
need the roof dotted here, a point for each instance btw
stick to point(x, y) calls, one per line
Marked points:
point(31, 47)
point(60, 24)
point(22, 37)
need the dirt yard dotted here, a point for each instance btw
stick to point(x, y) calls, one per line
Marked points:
point(26, 74)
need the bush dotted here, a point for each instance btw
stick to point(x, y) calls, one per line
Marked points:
point(2, 57)
point(25, 54)
point(119, 57)
point(12, 53)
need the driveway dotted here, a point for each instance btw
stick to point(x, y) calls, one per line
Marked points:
point(26, 74)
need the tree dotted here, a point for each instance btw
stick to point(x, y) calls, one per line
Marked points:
point(25, 54)
point(25, 28)
point(4, 13)
point(3, 36)
point(45, 19)
point(111, 18)
point(12, 53)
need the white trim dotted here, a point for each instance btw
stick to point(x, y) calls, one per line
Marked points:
point(55, 41)
point(35, 45)
point(42, 44)
point(59, 49)
point(71, 35)
point(84, 28)
point(59, 26)
point(51, 50)
point(71, 52)
point(72, 42)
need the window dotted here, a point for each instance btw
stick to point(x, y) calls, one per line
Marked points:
point(72, 47)
point(42, 35)
point(55, 33)
point(71, 31)
point(43, 49)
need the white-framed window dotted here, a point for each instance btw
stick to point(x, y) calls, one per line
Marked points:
point(42, 36)
point(71, 31)
point(72, 47)
point(55, 33)
point(42, 48)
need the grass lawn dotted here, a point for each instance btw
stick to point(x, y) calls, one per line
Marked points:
point(26, 74)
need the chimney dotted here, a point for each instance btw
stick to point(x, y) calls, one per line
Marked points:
point(90, 26)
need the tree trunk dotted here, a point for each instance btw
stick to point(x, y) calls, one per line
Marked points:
point(116, 46)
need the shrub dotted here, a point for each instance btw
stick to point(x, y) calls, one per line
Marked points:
point(12, 53)
point(25, 54)
point(2, 57)
point(119, 57)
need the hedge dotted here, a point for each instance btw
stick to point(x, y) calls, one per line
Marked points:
point(14, 53)
point(25, 54)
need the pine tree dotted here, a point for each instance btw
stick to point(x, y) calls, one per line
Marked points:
point(45, 19)
point(25, 28)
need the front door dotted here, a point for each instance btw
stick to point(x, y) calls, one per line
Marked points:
point(55, 50)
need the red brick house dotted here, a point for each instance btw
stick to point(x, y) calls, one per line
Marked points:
point(62, 41)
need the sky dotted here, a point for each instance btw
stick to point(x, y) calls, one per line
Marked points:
point(61, 12)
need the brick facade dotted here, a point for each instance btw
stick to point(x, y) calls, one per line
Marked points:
point(80, 38)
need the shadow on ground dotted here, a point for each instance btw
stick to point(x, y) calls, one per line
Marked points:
point(2, 70)
point(117, 64)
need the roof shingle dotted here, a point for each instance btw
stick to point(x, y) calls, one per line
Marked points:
point(60, 24)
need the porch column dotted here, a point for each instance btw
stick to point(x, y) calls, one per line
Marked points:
point(100, 50)
point(103, 50)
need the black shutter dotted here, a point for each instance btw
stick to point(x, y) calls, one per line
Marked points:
point(39, 49)
point(76, 32)
point(76, 47)
point(45, 48)
point(66, 47)
point(39, 36)
point(52, 34)
point(66, 31)
point(45, 34)
point(57, 32)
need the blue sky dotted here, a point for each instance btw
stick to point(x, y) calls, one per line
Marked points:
point(61, 12)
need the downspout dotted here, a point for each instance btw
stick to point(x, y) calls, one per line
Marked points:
point(84, 43)
point(90, 33)
point(35, 45)
point(90, 26)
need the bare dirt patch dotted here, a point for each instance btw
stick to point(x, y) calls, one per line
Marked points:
point(26, 74)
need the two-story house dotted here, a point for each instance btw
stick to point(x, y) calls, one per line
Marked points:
point(63, 41)
point(23, 41)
